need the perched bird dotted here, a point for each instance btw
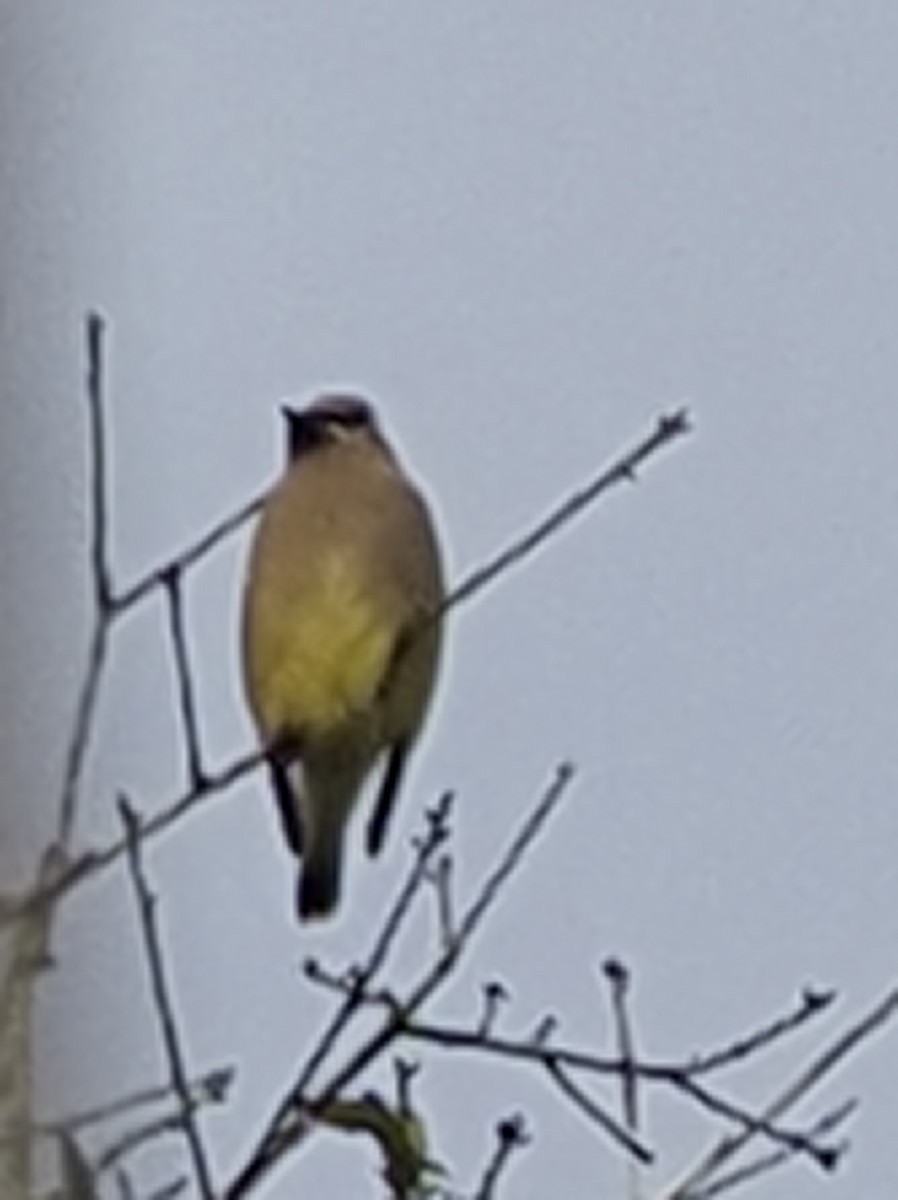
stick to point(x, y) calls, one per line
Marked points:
point(341, 632)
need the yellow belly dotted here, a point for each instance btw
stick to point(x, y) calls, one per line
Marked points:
point(315, 661)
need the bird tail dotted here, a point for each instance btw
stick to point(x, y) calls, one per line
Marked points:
point(326, 797)
point(318, 890)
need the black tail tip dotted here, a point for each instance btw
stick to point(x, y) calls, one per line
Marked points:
point(317, 894)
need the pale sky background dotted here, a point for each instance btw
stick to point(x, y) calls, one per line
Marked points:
point(524, 230)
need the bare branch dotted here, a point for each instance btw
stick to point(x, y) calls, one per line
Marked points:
point(778, 1158)
point(162, 1000)
point(135, 1136)
point(698, 1178)
point(624, 469)
point(290, 1122)
point(442, 883)
point(296, 1114)
point(427, 847)
point(568, 1060)
point(211, 1088)
point(511, 1135)
point(92, 862)
point(170, 1191)
point(95, 331)
point(173, 590)
point(511, 859)
point(532, 1050)
point(811, 1003)
point(124, 1184)
point(619, 978)
point(495, 995)
point(793, 1141)
point(140, 1134)
point(184, 559)
point(81, 729)
point(102, 586)
point(595, 1113)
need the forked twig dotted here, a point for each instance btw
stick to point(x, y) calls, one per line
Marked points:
point(294, 1118)
point(701, 1175)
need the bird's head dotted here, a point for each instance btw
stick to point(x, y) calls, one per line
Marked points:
point(329, 420)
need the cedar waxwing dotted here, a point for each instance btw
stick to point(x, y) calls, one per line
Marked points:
point(341, 632)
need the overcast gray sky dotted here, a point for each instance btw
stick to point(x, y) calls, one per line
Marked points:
point(524, 230)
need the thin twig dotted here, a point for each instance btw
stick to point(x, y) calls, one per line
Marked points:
point(668, 428)
point(596, 1113)
point(511, 1135)
point(187, 701)
point(701, 1175)
point(136, 1136)
point(164, 1007)
point(290, 1119)
point(793, 1141)
point(437, 831)
point(511, 859)
point(168, 1124)
point(93, 862)
point(495, 994)
point(102, 586)
point(624, 469)
point(170, 1191)
point(96, 328)
point(209, 1088)
point(777, 1158)
point(811, 1003)
point(130, 596)
point(124, 1184)
point(81, 729)
point(537, 1052)
point(449, 1037)
point(531, 1048)
point(442, 882)
point(619, 979)
point(619, 983)
point(295, 1114)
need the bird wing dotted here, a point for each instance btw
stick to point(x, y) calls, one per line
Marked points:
point(279, 762)
point(379, 821)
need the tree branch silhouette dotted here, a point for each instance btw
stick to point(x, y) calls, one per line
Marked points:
point(323, 1090)
point(511, 1136)
point(162, 1000)
point(298, 1112)
point(702, 1175)
point(102, 586)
